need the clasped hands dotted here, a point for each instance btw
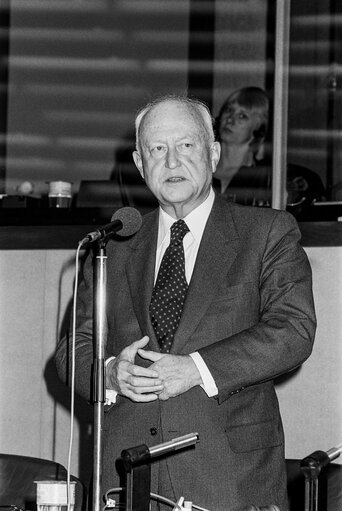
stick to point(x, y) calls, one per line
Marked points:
point(167, 376)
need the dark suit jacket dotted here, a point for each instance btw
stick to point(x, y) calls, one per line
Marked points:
point(249, 312)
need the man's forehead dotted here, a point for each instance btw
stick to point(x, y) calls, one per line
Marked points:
point(168, 115)
point(172, 107)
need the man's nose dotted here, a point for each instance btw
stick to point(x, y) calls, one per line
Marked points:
point(172, 160)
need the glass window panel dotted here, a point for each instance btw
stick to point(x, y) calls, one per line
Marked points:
point(78, 71)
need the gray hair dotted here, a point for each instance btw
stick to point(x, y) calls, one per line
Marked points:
point(199, 108)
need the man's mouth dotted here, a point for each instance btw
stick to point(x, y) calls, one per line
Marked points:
point(175, 179)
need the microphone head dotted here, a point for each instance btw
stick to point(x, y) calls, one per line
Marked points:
point(131, 221)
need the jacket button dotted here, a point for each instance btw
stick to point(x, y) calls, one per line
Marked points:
point(153, 431)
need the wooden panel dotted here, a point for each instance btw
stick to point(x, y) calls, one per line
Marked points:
point(310, 399)
point(35, 291)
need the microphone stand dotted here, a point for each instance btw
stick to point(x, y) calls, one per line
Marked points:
point(311, 467)
point(100, 336)
point(137, 465)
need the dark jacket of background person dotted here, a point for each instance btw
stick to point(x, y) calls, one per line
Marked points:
point(252, 186)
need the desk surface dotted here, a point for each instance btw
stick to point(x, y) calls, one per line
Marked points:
point(62, 229)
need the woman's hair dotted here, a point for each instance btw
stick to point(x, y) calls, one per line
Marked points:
point(252, 98)
point(197, 107)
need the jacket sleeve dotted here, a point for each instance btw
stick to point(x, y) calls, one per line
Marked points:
point(283, 337)
point(83, 345)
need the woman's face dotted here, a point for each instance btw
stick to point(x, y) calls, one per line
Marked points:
point(238, 123)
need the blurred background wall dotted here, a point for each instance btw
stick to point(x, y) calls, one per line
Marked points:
point(72, 75)
point(77, 70)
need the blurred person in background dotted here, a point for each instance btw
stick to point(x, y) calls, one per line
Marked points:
point(244, 172)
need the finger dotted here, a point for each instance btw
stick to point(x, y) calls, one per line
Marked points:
point(137, 381)
point(126, 368)
point(135, 370)
point(146, 390)
point(137, 376)
point(142, 398)
point(163, 396)
point(131, 350)
point(141, 343)
point(154, 356)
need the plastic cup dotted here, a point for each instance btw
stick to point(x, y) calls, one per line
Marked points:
point(53, 495)
point(59, 194)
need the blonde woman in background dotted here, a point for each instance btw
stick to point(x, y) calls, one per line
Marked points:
point(244, 172)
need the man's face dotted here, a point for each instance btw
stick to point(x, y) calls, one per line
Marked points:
point(238, 123)
point(176, 159)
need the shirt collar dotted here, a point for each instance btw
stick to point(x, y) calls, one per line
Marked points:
point(196, 220)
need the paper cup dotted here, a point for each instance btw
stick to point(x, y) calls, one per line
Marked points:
point(53, 495)
point(59, 194)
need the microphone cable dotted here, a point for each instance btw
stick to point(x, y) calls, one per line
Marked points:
point(72, 386)
point(158, 498)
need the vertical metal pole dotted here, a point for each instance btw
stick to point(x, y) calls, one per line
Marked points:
point(136, 463)
point(99, 372)
point(138, 487)
point(311, 467)
point(280, 110)
point(311, 493)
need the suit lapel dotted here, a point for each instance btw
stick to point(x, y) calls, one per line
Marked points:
point(140, 274)
point(216, 254)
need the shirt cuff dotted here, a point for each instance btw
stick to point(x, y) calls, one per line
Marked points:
point(110, 393)
point(208, 385)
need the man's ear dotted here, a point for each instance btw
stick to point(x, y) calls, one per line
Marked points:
point(215, 153)
point(138, 162)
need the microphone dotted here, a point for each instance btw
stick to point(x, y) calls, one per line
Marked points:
point(125, 221)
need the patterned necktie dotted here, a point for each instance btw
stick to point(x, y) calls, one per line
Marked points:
point(170, 289)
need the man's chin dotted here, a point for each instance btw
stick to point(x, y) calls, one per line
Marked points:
point(176, 197)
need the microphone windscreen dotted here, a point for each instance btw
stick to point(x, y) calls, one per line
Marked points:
point(131, 220)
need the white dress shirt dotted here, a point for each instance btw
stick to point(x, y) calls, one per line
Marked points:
point(196, 222)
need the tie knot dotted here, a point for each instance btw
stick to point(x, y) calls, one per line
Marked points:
point(178, 231)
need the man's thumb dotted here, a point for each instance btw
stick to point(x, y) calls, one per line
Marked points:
point(141, 343)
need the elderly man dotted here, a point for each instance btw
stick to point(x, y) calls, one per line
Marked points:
point(207, 304)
